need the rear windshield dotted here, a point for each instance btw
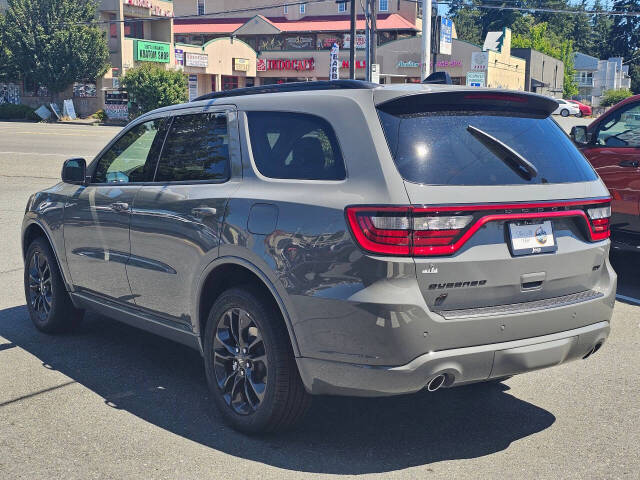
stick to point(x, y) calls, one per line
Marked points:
point(440, 148)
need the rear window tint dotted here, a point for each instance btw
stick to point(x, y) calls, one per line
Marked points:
point(437, 148)
point(295, 146)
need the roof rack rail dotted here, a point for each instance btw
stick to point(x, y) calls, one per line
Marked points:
point(291, 87)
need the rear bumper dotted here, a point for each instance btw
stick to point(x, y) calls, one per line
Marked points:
point(461, 365)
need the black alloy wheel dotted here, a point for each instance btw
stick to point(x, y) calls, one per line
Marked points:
point(40, 286)
point(240, 361)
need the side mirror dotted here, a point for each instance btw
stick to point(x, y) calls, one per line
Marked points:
point(74, 171)
point(580, 136)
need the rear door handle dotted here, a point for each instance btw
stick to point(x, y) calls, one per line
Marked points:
point(629, 163)
point(201, 212)
point(119, 207)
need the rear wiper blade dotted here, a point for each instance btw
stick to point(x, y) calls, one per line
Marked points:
point(508, 155)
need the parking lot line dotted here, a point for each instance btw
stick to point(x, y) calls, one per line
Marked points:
point(634, 301)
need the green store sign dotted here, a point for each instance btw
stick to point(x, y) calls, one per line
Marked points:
point(151, 51)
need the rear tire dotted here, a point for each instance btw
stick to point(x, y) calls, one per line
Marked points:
point(249, 363)
point(579, 114)
point(48, 301)
point(564, 112)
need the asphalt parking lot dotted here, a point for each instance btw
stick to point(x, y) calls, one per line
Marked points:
point(112, 402)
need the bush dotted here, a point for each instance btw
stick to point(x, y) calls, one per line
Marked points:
point(10, 111)
point(152, 86)
point(611, 97)
point(100, 115)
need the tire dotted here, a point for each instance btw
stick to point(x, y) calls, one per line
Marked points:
point(579, 114)
point(48, 301)
point(564, 112)
point(258, 389)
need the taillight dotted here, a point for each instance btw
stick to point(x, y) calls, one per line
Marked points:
point(404, 230)
point(600, 220)
point(443, 230)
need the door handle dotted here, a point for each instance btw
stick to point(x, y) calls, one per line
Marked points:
point(201, 212)
point(629, 163)
point(119, 207)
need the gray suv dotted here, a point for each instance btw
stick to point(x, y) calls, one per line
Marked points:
point(336, 238)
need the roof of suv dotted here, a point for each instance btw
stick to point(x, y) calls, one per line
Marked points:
point(381, 93)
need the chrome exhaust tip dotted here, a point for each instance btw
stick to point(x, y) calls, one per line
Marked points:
point(436, 382)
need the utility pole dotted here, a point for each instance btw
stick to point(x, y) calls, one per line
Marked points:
point(425, 68)
point(352, 44)
point(367, 36)
point(373, 34)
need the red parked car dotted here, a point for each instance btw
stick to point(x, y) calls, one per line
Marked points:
point(612, 144)
point(585, 110)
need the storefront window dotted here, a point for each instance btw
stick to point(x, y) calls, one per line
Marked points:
point(229, 82)
point(133, 29)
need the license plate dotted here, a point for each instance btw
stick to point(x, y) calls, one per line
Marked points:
point(532, 238)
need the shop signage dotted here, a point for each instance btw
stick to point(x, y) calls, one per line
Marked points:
point(197, 60)
point(298, 43)
point(241, 64)
point(361, 41)
point(446, 29)
point(475, 79)
point(407, 64)
point(327, 41)
point(479, 61)
point(179, 56)
point(334, 71)
point(146, 51)
point(117, 111)
point(154, 9)
point(193, 87)
point(297, 64)
point(449, 63)
point(261, 65)
point(359, 64)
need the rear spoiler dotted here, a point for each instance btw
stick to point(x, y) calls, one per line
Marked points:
point(467, 99)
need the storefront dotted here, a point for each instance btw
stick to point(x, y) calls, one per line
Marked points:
point(293, 66)
point(221, 64)
point(400, 61)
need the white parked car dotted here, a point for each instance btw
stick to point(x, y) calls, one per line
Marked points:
point(566, 108)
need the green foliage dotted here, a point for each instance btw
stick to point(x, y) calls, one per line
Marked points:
point(100, 115)
point(611, 97)
point(7, 69)
point(9, 111)
point(540, 38)
point(53, 42)
point(625, 39)
point(151, 86)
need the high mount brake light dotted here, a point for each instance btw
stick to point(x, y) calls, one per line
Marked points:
point(443, 230)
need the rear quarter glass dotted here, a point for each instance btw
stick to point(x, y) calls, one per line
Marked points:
point(436, 147)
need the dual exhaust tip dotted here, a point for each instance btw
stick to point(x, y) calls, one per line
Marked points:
point(593, 350)
point(436, 382)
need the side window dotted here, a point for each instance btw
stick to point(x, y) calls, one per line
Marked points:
point(133, 157)
point(621, 130)
point(197, 148)
point(295, 146)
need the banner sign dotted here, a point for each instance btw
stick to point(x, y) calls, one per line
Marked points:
point(179, 56)
point(197, 60)
point(145, 51)
point(446, 29)
point(117, 111)
point(193, 87)
point(361, 41)
point(334, 71)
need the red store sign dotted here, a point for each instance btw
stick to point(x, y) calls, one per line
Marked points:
point(297, 64)
point(359, 64)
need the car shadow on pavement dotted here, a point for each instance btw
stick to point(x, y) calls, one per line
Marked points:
point(163, 383)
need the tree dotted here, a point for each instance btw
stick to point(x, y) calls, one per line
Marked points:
point(151, 86)
point(540, 38)
point(7, 70)
point(54, 42)
point(611, 97)
point(625, 39)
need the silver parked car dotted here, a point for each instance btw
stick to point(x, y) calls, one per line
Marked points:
point(334, 238)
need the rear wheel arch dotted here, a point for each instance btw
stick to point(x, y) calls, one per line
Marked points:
point(230, 272)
